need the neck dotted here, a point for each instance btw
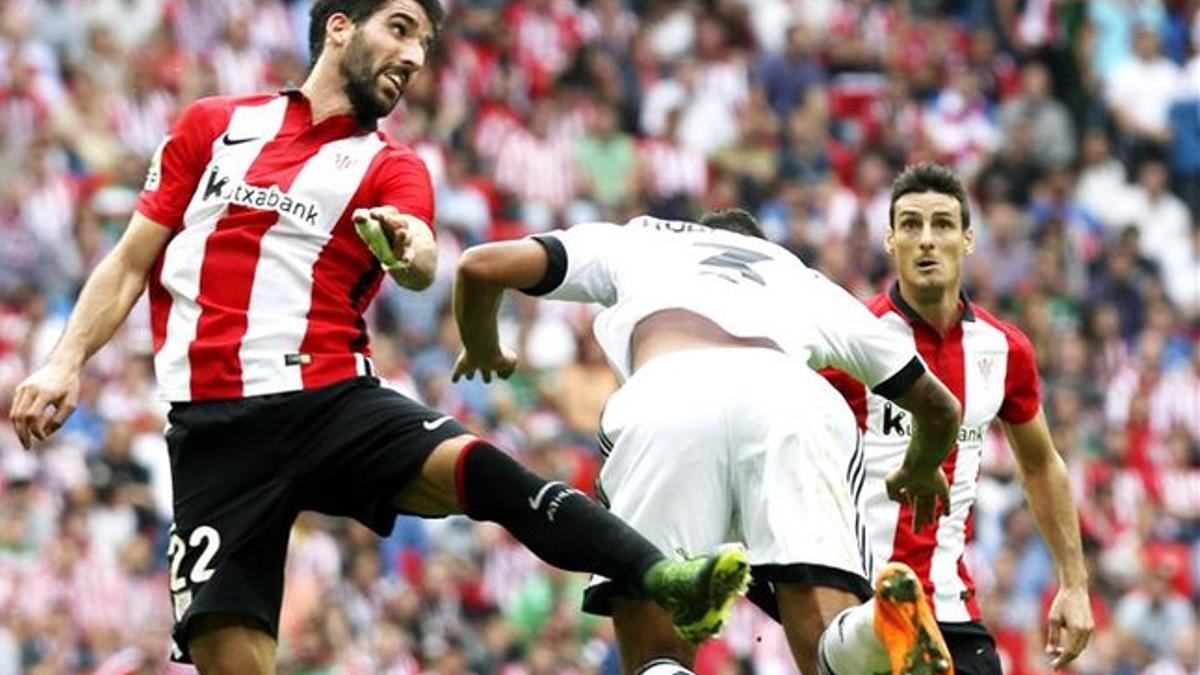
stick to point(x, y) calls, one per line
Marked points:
point(937, 306)
point(326, 93)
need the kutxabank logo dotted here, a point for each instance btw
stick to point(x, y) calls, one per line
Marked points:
point(222, 188)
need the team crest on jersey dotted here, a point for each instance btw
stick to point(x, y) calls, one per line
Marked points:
point(217, 186)
point(985, 367)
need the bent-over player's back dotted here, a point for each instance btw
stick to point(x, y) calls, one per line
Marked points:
point(747, 287)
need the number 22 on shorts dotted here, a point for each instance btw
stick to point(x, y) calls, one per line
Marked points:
point(208, 540)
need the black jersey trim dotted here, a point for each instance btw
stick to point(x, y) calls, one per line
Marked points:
point(898, 385)
point(556, 269)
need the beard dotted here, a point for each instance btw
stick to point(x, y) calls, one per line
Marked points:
point(362, 84)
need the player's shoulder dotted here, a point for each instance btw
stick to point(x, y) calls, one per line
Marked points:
point(224, 105)
point(393, 148)
point(397, 156)
point(878, 304)
point(1015, 336)
point(211, 114)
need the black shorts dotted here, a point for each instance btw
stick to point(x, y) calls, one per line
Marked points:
point(972, 648)
point(243, 469)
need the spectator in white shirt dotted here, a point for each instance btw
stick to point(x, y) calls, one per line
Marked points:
point(1141, 90)
point(1162, 219)
point(1103, 186)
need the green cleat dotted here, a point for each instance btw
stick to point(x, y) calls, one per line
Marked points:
point(699, 592)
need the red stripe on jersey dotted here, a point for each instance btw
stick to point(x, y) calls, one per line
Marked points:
point(160, 303)
point(230, 258)
point(944, 355)
point(963, 572)
point(1022, 387)
point(852, 390)
point(345, 278)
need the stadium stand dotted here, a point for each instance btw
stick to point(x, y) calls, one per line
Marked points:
point(1076, 124)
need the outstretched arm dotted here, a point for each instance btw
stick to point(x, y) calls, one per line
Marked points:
point(103, 304)
point(403, 243)
point(935, 421)
point(1049, 493)
point(483, 274)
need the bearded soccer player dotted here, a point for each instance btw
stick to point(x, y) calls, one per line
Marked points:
point(990, 367)
point(265, 228)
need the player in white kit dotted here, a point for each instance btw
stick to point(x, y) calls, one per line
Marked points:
point(722, 429)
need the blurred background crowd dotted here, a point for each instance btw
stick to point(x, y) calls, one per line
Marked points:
point(1075, 124)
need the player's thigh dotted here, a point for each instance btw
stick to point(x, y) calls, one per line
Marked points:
point(229, 644)
point(973, 653)
point(233, 513)
point(793, 442)
point(373, 449)
point(667, 471)
point(645, 632)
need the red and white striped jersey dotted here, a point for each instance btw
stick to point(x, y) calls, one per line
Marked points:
point(990, 367)
point(262, 286)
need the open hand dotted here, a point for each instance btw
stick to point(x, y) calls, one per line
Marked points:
point(926, 492)
point(502, 362)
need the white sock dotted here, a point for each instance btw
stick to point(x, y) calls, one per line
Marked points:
point(849, 645)
point(664, 667)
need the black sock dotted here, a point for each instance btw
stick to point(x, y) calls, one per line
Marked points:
point(560, 525)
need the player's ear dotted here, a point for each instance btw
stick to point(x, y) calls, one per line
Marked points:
point(338, 29)
point(969, 241)
point(889, 240)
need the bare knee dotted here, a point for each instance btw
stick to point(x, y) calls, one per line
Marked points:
point(645, 633)
point(227, 644)
point(434, 491)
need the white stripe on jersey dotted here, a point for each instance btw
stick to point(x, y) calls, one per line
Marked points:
point(277, 320)
point(185, 253)
point(882, 513)
point(982, 343)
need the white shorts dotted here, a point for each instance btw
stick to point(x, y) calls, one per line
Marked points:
point(710, 446)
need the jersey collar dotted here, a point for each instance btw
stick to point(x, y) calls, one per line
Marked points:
point(911, 314)
point(341, 122)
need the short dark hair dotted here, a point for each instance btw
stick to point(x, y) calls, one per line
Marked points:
point(358, 11)
point(733, 220)
point(929, 177)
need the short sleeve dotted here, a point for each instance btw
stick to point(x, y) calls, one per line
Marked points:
point(580, 264)
point(1022, 388)
point(178, 164)
point(855, 341)
point(402, 180)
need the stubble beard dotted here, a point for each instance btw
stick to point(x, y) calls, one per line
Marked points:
point(362, 87)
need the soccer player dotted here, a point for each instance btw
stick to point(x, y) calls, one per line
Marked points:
point(251, 231)
point(990, 366)
point(721, 425)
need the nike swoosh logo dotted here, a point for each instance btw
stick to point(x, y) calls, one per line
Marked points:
point(237, 141)
point(430, 426)
point(536, 500)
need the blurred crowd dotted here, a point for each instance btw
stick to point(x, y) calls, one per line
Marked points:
point(1075, 124)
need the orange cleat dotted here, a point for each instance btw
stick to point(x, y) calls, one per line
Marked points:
point(905, 625)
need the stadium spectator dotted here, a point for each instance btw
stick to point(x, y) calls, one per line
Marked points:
point(78, 107)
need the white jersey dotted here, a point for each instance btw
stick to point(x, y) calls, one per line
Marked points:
point(748, 286)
